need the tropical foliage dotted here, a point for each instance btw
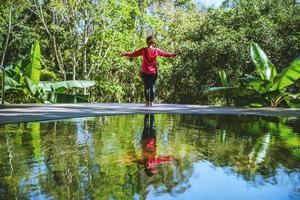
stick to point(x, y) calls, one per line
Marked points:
point(81, 40)
point(22, 82)
point(219, 39)
point(269, 89)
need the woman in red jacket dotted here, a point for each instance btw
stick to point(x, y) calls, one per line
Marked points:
point(149, 66)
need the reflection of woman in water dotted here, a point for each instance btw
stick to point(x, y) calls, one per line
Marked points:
point(148, 143)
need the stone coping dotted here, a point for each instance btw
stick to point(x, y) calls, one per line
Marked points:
point(14, 113)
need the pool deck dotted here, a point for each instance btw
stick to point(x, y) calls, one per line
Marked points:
point(41, 112)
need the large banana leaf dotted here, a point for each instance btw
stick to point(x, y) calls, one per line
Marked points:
point(72, 84)
point(247, 79)
point(223, 77)
point(46, 85)
point(11, 84)
point(33, 68)
point(228, 91)
point(293, 100)
point(31, 86)
point(257, 84)
point(12, 70)
point(264, 67)
point(288, 76)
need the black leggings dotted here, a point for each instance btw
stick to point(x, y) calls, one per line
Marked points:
point(149, 84)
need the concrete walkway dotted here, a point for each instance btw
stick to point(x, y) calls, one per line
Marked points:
point(39, 112)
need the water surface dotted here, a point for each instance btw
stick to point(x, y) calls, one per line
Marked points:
point(152, 157)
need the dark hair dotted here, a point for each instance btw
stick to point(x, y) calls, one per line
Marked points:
point(149, 38)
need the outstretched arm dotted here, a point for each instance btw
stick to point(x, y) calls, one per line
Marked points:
point(133, 54)
point(166, 54)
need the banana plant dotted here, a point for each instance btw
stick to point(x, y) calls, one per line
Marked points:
point(23, 79)
point(269, 88)
point(272, 86)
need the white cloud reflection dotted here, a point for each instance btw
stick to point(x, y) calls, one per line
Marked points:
point(209, 3)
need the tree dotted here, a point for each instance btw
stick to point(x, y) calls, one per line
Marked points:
point(220, 38)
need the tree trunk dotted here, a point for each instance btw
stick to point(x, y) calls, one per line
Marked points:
point(74, 70)
point(57, 57)
point(85, 41)
point(74, 67)
point(3, 55)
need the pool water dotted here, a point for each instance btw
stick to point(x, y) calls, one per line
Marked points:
point(152, 156)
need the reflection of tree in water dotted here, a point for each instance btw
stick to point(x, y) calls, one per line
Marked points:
point(83, 159)
point(251, 145)
point(15, 145)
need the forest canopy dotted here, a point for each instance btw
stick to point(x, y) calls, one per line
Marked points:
point(82, 40)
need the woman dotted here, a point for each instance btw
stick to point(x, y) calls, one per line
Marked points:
point(149, 66)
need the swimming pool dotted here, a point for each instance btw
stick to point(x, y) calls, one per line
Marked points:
point(152, 156)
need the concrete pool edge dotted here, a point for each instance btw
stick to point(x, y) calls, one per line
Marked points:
point(43, 112)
